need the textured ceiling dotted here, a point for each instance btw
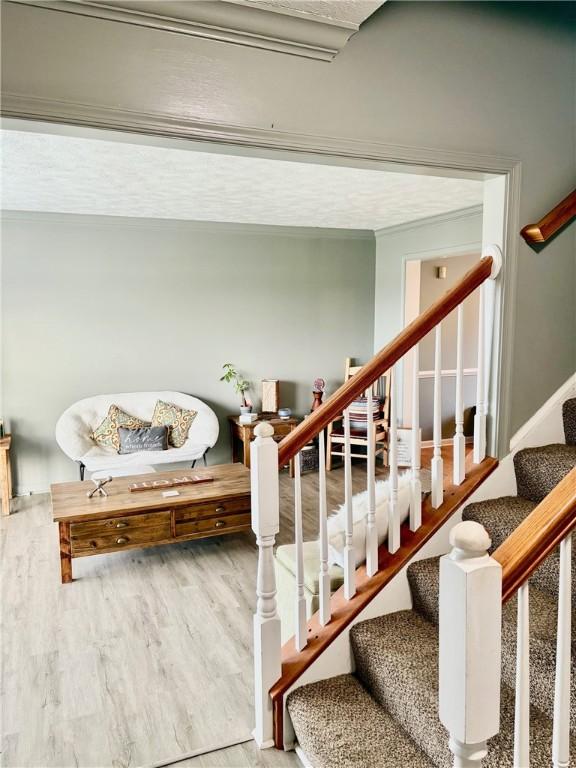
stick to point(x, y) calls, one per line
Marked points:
point(348, 11)
point(64, 174)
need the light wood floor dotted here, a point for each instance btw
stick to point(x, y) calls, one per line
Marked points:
point(145, 657)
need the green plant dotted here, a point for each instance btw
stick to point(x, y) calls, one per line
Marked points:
point(231, 376)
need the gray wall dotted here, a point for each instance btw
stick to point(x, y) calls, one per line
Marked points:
point(96, 305)
point(487, 78)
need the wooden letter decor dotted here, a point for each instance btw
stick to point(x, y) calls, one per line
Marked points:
point(154, 485)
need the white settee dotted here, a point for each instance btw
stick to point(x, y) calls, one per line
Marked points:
point(77, 423)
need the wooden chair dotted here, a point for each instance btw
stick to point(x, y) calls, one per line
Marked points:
point(359, 437)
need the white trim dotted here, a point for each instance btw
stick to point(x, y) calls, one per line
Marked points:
point(302, 756)
point(447, 372)
point(546, 425)
point(82, 219)
point(235, 22)
point(440, 218)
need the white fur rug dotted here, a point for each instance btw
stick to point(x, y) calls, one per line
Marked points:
point(337, 521)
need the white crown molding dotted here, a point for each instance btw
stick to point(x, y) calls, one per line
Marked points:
point(221, 227)
point(429, 221)
point(227, 21)
point(372, 154)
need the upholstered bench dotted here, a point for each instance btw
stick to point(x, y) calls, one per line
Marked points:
point(286, 583)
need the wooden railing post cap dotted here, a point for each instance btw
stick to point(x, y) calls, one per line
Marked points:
point(469, 539)
point(263, 429)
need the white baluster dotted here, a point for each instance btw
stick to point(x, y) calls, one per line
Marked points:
point(522, 704)
point(437, 461)
point(415, 483)
point(481, 402)
point(300, 637)
point(459, 440)
point(349, 556)
point(371, 531)
point(561, 731)
point(470, 644)
point(393, 518)
point(265, 524)
point(324, 575)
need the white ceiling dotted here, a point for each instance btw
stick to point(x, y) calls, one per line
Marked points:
point(66, 174)
point(347, 11)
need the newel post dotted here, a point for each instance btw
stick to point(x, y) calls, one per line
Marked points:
point(265, 524)
point(470, 644)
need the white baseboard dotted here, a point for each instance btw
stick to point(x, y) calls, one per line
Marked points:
point(546, 425)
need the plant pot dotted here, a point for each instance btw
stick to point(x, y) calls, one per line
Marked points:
point(245, 409)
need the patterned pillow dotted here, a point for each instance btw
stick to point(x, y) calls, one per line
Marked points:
point(106, 433)
point(177, 419)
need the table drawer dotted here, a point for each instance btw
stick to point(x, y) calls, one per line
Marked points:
point(120, 524)
point(212, 509)
point(208, 525)
point(119, 539)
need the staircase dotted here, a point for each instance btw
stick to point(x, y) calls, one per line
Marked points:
point(386, 713)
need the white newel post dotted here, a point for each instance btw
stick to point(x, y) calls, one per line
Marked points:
point(486, 314)
point(470, 643)
point(265, 524)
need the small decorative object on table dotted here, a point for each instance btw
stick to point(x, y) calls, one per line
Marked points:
point(241, 385)
point(152, 485)
point(318, 391)
point(99, 489)
point(284, 413)
point(270, 395)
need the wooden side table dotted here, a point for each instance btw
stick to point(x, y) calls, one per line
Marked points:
point(243, 434)
point(5, 473)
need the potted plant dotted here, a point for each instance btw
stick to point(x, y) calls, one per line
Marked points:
point(241, 386)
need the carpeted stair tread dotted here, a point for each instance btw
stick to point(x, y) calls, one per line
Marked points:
point(539, 470)
point(423, 577)
point(397, 661)
point(569, 418)
point(502, 516)
point(339, 725)
point(424, 580)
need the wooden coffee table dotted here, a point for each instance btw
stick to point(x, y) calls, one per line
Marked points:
point(128, 520)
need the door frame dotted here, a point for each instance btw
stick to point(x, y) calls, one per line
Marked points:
point(161, 128)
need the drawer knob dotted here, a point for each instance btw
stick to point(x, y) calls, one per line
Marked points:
point(122, 540)
point(122, 524)
point(220, 509)
point(219, 524)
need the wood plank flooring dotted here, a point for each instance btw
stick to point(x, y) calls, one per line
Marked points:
point(145, 657)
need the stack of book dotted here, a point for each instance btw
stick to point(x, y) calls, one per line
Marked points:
point(362, 410)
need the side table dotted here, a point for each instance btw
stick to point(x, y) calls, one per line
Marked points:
point(5, 473)
point(243, 434)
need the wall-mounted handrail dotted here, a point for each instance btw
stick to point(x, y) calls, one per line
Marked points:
point(537, 536)
point(558, 217)
point(335, 405)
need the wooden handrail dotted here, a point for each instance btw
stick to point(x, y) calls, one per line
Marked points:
point(537, 536)
point(544, 229)
point(333, 407)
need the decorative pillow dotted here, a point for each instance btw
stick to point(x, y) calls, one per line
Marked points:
point(142, 439)
point(178, 420)
point(106, 433)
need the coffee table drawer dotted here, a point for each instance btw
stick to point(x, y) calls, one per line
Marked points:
point(212, 509)
point(120, 524)
point(119, 539)
point(213, 524)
